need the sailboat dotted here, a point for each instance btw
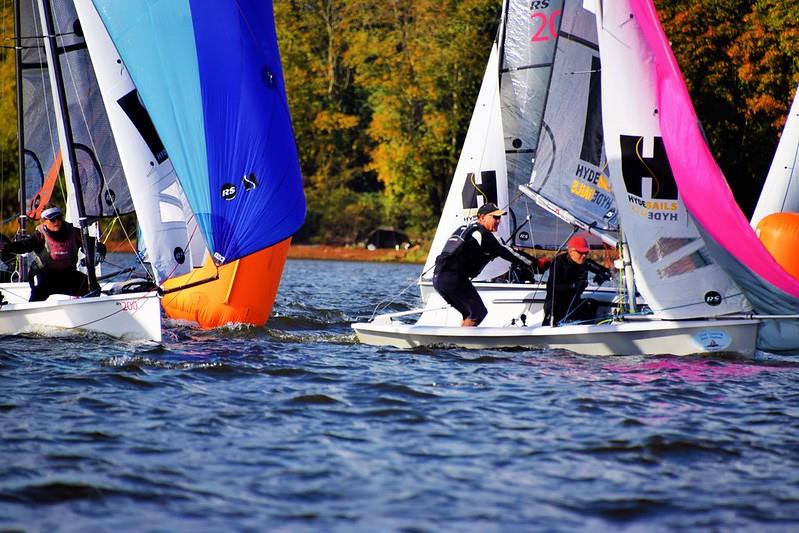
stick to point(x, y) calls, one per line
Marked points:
point(692, 305)
point(780, 193)
point(772, 292)
point(509, 136)
point(217, 193)
point(210, 79)
point(776, 215)
point(56, 120)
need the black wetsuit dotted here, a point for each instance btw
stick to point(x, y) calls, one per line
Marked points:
point(565, 285)
point(467, 252)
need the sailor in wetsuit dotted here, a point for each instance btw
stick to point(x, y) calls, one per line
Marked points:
point(567, 280)
point(55, 244)
point(470, 248)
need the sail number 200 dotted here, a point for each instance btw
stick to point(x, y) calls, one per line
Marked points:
point(539, 34)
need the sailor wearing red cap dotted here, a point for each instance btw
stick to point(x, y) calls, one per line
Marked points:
point(568, 278)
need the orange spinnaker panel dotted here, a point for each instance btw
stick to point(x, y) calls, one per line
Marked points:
point(779, 233)
point(244, 293)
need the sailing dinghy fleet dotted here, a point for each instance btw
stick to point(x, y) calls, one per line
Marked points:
point(619, 154)
point(149, 108)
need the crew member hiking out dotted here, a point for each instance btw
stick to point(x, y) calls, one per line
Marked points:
point(470, 248)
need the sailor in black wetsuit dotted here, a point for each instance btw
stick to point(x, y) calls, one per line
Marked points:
point(567, 280)
point(466, 253)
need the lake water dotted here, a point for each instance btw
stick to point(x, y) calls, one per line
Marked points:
point(296, 427)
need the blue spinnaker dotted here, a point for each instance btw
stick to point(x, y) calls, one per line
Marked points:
point(209, 74)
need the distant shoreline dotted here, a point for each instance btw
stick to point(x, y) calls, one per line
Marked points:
point(356, 253)
point(323, 252)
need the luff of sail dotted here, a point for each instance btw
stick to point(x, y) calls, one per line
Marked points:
point(209, 74)
point(674, 270)
point(570, 167)
point(781, 189)
point(730, 238)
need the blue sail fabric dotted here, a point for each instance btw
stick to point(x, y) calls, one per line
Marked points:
point(209, 74)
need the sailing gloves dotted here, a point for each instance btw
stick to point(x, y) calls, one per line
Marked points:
point(579, 286)
point(101, 251)
point(602, 277)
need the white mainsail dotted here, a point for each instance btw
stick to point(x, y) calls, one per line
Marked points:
point(673, 269)
point(781, 189)
point(481, 164)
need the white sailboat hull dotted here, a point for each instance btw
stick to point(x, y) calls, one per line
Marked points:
point(134, 316)
point(505, 302)
point(637, 337)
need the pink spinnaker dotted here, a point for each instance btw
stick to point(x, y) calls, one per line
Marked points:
point(699, 179)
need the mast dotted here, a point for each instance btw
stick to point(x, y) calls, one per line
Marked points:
point(23, 216)
point(70, 158)
point(629, 274)
point(503, 21)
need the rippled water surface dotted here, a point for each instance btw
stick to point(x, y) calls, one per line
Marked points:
point(295, 427)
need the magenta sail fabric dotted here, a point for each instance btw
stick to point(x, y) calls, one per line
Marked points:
point(699, 178)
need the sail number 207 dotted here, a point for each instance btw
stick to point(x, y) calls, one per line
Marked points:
point(540, 31)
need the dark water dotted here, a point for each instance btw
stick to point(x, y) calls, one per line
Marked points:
point(294, 427)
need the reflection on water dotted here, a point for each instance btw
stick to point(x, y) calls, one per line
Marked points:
point(294, 426)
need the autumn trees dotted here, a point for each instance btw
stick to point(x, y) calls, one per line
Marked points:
point(381, 94)
point(384, 90)
point(740, 59)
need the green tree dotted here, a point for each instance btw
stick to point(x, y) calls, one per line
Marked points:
point(330, 115)
point(420, 63)
point(9, 184)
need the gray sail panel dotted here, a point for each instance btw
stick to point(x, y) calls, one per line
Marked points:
point(570, 167)
point(38, 114)
point(528, 45)
point(105, 190)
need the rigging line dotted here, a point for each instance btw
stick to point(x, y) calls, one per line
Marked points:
point(190, 284)
point(100, 169)
point(696, 302)
point(385, 303)
point(655, 179)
